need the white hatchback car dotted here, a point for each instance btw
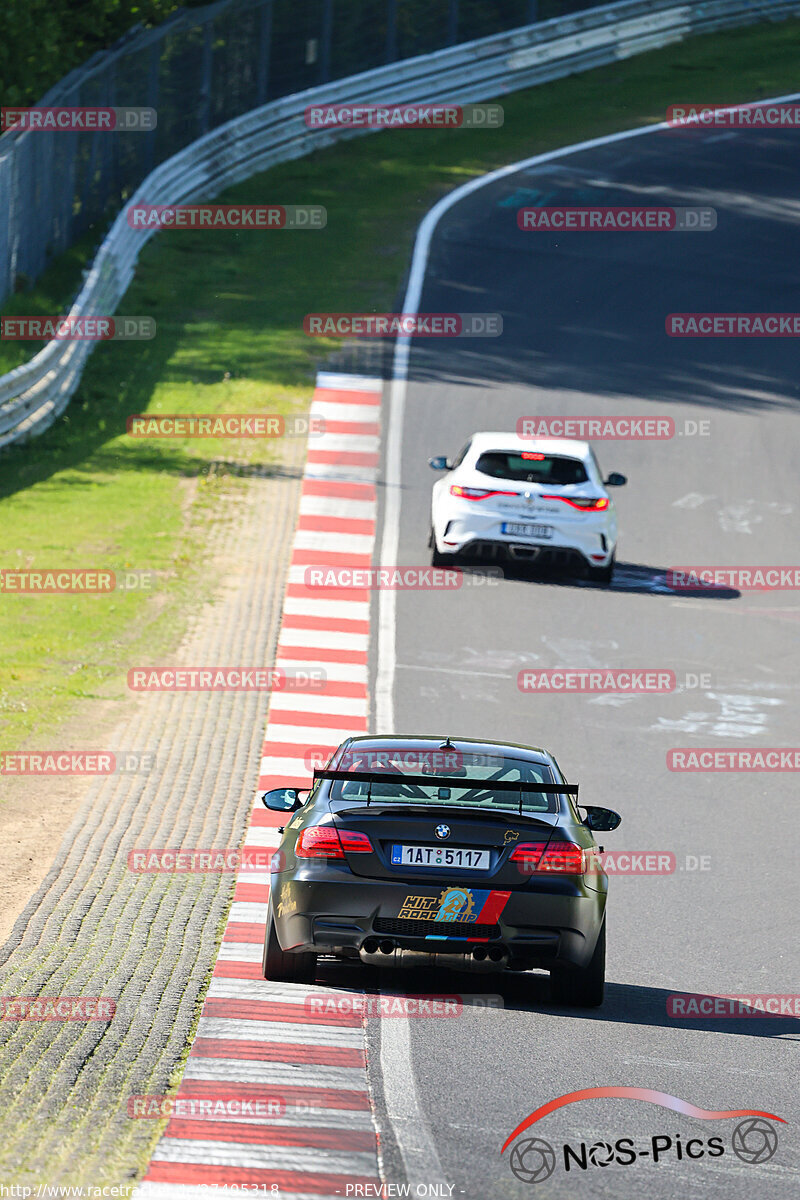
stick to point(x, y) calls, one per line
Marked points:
point(541, 500)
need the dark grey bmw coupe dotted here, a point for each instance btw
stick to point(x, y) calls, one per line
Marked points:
point(419, 851)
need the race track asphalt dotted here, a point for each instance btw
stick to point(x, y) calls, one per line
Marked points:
point(584, 334)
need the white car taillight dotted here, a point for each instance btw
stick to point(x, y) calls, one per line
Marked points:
point(466, 493)
point(580, 503)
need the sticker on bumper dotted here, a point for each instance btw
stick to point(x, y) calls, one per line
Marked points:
point(459, 905)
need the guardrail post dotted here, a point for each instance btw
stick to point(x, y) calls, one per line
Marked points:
point(5, 226)
point(153, 74)
point(391, 31)
point(452, 23)
point(264, 53)
point(109, 185)
point(205, 83)
point(325, 40)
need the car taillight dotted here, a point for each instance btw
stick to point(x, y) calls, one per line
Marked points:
point(564, 858)
point(465, 493)
point(527, 854)
point(325, 841)
point(579, 502)
point(560, 858)
point(355, 843)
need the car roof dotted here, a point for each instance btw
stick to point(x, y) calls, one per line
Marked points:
point(512, 441)
point(466, 745)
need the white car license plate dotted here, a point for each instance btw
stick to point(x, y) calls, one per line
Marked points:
point(523, 530)
point(440, 856)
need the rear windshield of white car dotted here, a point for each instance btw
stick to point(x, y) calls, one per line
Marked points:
point(528, 467)
point(476, 791)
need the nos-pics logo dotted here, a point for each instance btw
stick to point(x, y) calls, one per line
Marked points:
point(532, 1159)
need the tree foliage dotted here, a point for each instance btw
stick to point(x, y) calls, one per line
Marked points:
point(43, 40)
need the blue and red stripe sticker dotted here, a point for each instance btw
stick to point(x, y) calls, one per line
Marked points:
point(468, 906)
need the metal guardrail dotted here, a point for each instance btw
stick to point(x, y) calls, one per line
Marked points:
point(198, 69)
point(34, 394)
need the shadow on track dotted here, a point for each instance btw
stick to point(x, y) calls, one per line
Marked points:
point(627, 1004)
point(628, 577)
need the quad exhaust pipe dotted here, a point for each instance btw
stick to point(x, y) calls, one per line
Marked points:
point(383, 952)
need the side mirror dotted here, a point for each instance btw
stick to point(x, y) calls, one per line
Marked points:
point(440, 463)
point(282, 799)
point(616, 480)
point(601, 820)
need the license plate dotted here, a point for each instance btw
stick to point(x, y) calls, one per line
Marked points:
point(522, 530)
point(440, 856)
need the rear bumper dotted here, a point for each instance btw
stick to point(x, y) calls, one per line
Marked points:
point(589, 542)
point(536, 928)
point(543, 555)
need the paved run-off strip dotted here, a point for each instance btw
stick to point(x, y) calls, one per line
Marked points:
point(256, 1039)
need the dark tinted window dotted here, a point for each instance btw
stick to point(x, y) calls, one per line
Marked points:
point(528, 467)
point(475, 791)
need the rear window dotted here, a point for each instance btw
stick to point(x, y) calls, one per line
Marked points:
point(529, 467)
point(476, 791)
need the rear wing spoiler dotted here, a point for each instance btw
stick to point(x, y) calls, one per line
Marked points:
point(499, 785)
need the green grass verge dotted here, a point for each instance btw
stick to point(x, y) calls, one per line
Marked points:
point(229, 309)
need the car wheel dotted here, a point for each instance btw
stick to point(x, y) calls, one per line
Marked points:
point(283, 967)
point(602, 575)
point(582, 988)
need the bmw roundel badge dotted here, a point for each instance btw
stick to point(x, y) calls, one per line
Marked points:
point(442, 831)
